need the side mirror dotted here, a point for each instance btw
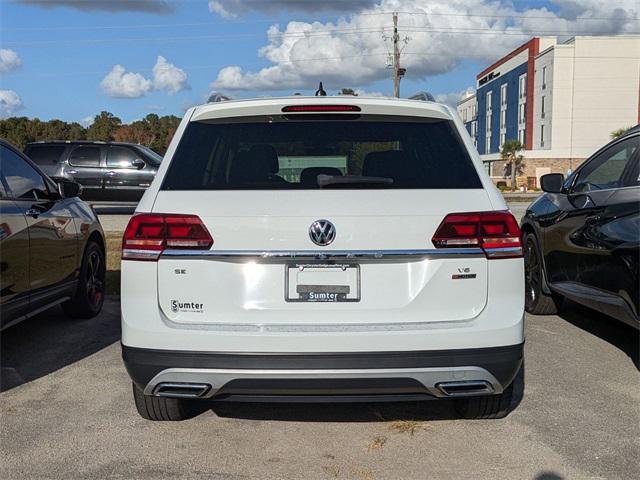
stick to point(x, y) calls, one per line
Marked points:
point(552, 182)
point(69, 189)
point(138, 163)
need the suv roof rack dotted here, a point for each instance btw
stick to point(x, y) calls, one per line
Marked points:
point(216, 97)
point(423, 97)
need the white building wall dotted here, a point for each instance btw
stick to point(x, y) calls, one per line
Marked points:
point(543, 88)
point(593, 88)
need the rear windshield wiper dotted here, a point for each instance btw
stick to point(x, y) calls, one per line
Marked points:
point(338, 180)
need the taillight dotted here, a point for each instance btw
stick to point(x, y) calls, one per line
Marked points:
point(497, 233)
point(148, 234)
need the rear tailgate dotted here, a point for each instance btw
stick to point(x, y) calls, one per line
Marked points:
point(199, 288)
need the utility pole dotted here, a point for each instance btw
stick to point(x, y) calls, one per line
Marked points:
point(398, 72)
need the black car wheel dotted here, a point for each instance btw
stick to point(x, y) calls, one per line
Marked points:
point(89, 296)
point(536, 300)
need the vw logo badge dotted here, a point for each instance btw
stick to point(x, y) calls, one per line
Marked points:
point(322, 232)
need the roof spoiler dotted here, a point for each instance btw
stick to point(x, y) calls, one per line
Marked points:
point(423, 97)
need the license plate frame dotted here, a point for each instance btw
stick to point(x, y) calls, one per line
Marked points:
point(322, 293)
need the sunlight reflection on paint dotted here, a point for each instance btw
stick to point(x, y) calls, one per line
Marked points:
point(253, 273)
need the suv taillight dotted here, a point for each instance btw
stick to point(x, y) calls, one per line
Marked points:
point(497, 233)
point(148, 234)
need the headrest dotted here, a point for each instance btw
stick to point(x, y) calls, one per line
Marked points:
point(266, 154)
point(384, 164)
point(244, 169)
point(309, 176)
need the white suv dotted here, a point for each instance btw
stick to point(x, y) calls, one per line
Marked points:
point(341, 248)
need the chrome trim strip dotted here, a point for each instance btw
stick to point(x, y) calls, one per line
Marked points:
point(275, 255)
point(429, 377)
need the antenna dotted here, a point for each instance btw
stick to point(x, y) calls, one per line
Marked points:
point(320, 92)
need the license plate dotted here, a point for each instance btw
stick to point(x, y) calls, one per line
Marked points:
point(322, 283)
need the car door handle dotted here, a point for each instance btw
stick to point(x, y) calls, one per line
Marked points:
point(111, 173)
point(71, 172)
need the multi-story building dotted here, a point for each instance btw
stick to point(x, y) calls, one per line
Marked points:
point(561, 100)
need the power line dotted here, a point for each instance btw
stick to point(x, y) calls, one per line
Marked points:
point(197, 24)
point(329, 33)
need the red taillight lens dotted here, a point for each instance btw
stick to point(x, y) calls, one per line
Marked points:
point(147, 235)
point(497, 233)
point(321, 108)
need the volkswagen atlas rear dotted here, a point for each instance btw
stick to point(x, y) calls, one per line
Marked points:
point(322, 249)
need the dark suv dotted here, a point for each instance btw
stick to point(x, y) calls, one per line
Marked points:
point(582, 237)
point(107, 171)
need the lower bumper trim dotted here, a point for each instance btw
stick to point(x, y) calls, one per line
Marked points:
point(367, 373)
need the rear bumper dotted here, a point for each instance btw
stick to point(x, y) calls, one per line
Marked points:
point(438, 373)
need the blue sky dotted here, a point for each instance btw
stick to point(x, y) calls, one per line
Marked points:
point(67, 48)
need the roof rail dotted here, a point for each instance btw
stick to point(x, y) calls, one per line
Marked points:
point(216, 97)
point(423, 96)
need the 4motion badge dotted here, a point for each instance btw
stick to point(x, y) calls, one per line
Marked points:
point(464, 273)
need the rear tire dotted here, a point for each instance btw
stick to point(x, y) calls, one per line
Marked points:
point(537, 302)
point(88, 298)
point(162, 408)
point(487, 406)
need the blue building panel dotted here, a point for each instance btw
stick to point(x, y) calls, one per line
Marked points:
point(511, 79)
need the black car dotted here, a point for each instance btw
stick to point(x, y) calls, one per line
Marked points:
point(582, 237)
point(52, 248)
point(107, 171)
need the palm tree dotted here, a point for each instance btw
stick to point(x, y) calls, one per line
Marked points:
point(511, 152)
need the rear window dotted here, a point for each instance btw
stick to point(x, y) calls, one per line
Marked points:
point(45, 154)
point(282, 154)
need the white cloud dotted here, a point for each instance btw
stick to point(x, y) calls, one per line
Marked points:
point(148, 6)
point(9, 60)
point(121, 84)
point(442, 33)
point(453, 98)
point(10, 102)
point(233, 8)
point(87, 121)
point(168, 77)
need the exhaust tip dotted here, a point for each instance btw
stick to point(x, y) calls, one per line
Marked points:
point(181, 390)
point(465, 388)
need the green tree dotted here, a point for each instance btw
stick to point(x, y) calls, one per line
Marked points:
point(348, 91)
point(511, 153)
point(103, 127)
point(619, 132)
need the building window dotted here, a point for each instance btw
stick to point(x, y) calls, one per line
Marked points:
point(542, 109)
point(542, 135)
point(503, 94)
point(503, 119)
point(489, 103)
point(503, 138)
point(522, 112)
point(544, 77)
point(521, 135)
point(487, 145)
point(522, 86)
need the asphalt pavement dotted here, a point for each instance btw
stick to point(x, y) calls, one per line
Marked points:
point(66, 412)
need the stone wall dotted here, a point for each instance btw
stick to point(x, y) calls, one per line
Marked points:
point(535, 167)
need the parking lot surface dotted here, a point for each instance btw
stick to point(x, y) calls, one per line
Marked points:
point(67, 412)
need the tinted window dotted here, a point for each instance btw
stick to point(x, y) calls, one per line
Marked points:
point(154, 156)
point(23, 181)
point(607, 169)
point(45, 154)
point(120, 157)
point(85, 157)
point(372, 152)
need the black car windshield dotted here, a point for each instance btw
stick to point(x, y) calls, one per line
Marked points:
point(365, 153)
point(153, 155)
